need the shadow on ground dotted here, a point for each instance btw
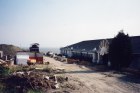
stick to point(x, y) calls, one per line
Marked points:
point(130, 78)
point(89, 71)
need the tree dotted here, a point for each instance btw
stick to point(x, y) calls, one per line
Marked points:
point(120, 51)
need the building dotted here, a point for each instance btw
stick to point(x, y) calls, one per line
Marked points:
point(23, 57)
point(96, 51)
point(5, 57)
point(34, 47)
point(1, 54)
point(30, 57)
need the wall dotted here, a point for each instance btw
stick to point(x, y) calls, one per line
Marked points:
point(1, 54)
point(135, 61)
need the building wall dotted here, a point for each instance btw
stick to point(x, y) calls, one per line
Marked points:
point(1, 54)
point(102, 49)
point(94, 57)
point(69, 53)
point(135, 61)
point(23, 57)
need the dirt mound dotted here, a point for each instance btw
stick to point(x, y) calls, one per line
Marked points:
point(9, 49)
point(22, 82)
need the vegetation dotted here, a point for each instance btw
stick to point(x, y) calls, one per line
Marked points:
point(9, 83)
point(9, 49)
point(4, 71)
point(120, 51)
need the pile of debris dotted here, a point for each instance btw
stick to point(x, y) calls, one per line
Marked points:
point(6, 63)
point(23, 81)
point(60, 58)
point(71, 61)
point(2, 62)
point(77, 61)
point(85, 63)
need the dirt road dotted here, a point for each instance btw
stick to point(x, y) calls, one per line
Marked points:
point(98, 82)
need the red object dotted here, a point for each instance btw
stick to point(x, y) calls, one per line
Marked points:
point(38, 59)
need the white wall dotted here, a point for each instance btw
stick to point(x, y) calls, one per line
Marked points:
point(22, 59)
point(1, 54)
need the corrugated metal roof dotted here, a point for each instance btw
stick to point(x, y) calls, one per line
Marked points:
point(91, 44)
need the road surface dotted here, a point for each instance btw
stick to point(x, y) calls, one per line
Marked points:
point(98, 82)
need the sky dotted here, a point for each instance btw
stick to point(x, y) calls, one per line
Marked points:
point(58, 23)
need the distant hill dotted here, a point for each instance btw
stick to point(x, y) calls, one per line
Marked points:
point(9, 49)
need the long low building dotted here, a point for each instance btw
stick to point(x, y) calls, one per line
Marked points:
point(95, 50)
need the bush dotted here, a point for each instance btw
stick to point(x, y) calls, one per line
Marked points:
point(4, 71)
point(120, 51)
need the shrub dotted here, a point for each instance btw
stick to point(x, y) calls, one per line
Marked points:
point(4, 71)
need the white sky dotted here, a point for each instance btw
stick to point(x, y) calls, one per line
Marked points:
point(57, 23)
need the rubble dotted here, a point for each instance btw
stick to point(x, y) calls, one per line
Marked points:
point(31, 81)
point(39, 68)
point(56, 86)
point(46, 63)
point(62, 79)
point(35, 80)
point(6, 63)
point(59, 70)
point(1, 61)
point(71, 61)
point(46, 77)
point(35, 77)
point(60, 58)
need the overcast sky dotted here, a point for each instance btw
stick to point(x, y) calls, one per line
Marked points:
point(57, 23)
